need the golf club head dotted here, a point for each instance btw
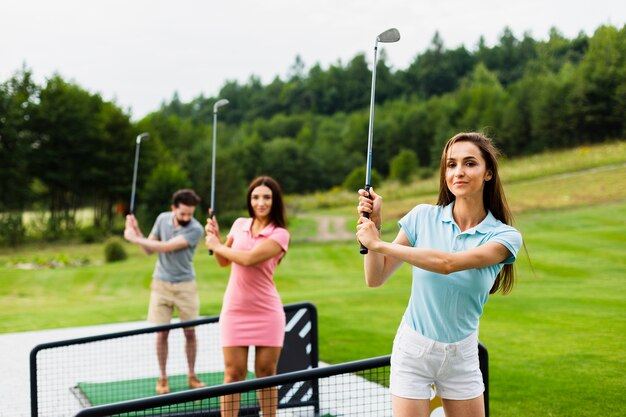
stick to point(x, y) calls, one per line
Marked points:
point(219, 103)
point(143, 136)
point(388, 36)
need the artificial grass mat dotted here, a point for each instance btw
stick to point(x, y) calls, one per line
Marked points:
point(101, 393)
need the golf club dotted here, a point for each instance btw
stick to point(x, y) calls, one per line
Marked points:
point(216, 106)
point(134, 188)
point(388, 36)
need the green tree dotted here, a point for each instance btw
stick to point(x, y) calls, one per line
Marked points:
point(267, 100)
point(109, 172)
point(18, 101)
point(18, 97)
point(442, 114)
point(68, 127)
point(403, 166)
point(355, 85)
point(555, 119)
point(416, 128)
point(480, 100)
point(558, 50)
point(280, 125)
point(437, 70)
point(337, 144)
point(238, 96)
point(388, 83)
point(517, 116)
point(230, 185)
point(297, 98)
point(163, 181)
point(509, 58)
point(290, 164)
point(603, 79)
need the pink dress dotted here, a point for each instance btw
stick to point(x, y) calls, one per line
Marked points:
point(252, 311)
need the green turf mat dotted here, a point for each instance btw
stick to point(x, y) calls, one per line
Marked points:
point(101, 393)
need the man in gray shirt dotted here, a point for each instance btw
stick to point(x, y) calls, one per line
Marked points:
point(174, 238)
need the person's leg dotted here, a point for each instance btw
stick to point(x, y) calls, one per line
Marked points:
point(188, 305)
point(160, 312)
point(162, 350)
point(191, 349)
point(407, 407)
point(464, 408)
point(265, 364)
point(235, 369)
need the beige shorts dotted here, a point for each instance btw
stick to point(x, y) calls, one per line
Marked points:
point(166, 295)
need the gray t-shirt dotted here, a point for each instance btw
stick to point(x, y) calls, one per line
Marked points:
point(176, 266)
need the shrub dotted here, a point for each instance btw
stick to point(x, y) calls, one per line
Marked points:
point(90, 234)
point(12, 229)
point(114, 250)
point(356, 179)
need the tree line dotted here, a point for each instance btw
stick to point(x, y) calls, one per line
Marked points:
point(63, 148)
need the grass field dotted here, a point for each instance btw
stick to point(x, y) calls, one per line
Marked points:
point(556, 344)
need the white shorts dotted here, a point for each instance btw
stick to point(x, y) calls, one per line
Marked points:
point(418, 362)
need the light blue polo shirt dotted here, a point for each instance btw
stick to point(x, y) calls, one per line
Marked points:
point(446, 308)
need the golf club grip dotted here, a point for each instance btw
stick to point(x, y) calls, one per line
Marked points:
point(363, 250)
point(210, 251)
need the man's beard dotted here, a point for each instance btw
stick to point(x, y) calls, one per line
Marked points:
point(183, 223)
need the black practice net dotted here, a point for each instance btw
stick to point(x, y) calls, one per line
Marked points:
point(68, 376)
point(349, 389)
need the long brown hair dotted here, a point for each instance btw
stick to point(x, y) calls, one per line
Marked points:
point(277, 212)
point(493, 195)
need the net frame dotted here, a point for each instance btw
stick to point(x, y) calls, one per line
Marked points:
point(356, 388)
point(58, 369)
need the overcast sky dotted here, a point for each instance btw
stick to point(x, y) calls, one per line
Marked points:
point(139, 52)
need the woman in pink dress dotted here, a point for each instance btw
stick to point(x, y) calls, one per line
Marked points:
point(252, 311)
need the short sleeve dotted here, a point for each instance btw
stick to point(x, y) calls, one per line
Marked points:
point(410, 222)
point(193, 234)
point(281, 236)
point(157, 227)
point(511, 239)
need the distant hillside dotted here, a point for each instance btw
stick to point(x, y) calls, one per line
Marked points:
point(593, 173)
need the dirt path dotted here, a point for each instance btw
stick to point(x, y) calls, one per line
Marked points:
point(331, 228)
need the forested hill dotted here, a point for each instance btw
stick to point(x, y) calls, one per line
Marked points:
point(62, 147)
point(346, 88)
point(529, 95)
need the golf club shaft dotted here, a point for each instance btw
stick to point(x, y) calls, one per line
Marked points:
point(134, 187)
point(213, 168)
point(213, 164)
point(368, 169)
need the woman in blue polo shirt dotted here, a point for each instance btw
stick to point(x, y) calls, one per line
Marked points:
point(462, 250)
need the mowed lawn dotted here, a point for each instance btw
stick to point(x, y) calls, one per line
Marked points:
point(556, 343)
